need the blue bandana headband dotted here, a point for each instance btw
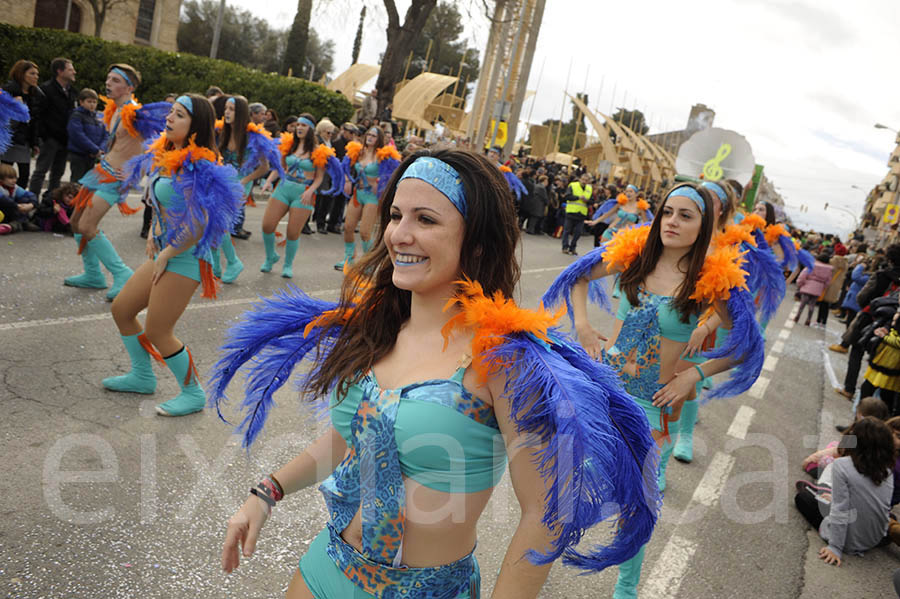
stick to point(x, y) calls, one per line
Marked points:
point(442, 177)
point(186, 102)
point(690, 193)
point(229, 101)
point(632, 188)
point(306, 122)
point(123, 75)
point(716, 189)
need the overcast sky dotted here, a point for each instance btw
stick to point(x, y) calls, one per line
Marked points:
point(803, 80)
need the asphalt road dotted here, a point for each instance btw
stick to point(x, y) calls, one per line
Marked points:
point(101, 498)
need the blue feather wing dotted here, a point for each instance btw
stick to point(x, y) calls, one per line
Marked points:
point(206, 203)
point(760, 238)
point(386, 170)
point(561, 288)
point(10, 110)
point(336, 172)
point(744, 343)
point(136, 169)
point(789, 251)
point(270, 340)
point(765, 279)
point(150, 119)
point(516, 186)
point(604, 208)
point(596, 453)
point(348, 169)
point(259, 148)
point(806, 259)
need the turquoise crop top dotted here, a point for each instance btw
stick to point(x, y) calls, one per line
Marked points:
point(622, 214)
point(447, 438)
point(670, 325)
point(163, 190)
point(296, 165)
point(368, 171)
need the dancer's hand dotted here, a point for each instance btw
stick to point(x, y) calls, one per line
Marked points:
point(308, 198)
point(695, 343)
point(590, 340)
point(266, 186)
point(159, 265)
point(243, 528)
point(678, 389)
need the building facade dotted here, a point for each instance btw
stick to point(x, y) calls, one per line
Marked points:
point(143, 22)
point(887, 192)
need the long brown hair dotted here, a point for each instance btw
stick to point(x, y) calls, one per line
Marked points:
point(869, 442)
point(202, 128)
point(634, 276)
point(369, 327)
point(18, 70)
point(237, 128)
point(728, 206)
point(309, 140)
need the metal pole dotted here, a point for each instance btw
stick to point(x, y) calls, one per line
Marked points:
point(496, 68)
point(68, 14)
point(524, 74)
point(512, 65)
point(562, 109)
point(214, 49)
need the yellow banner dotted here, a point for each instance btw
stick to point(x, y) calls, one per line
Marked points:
point(891, 213)
point(500, 140)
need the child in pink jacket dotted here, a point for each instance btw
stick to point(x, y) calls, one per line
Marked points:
point(812, 284)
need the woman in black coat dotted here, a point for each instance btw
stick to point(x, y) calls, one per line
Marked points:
point(23, 85)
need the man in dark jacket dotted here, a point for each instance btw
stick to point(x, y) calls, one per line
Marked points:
point(53, 118)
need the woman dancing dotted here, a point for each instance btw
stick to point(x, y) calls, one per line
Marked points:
point(628, 210)
point(129, 125)
point(250, 149)
point(195, 201)
point(368, 168)
point(303, 163)
point(666, 282)
point(503, 370)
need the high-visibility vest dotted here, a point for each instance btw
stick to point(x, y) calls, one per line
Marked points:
point(582, 196)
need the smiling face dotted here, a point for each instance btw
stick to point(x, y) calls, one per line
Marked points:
point(228, 115)
point(424, 239)
point(681, 223)
point(116, 87)
point(178, 124)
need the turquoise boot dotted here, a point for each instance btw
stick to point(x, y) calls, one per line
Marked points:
point(110, 259)
point(141, 378)
point(233, 266)
point(192, 398)
point(665, 452)
point(366, 245)
point(271, 255)
point(349, 250)
point(290, 250)
point(92, 277)
point(216, 264)
point(684, 448)
point(629, 577)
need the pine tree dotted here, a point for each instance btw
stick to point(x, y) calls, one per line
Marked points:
point(357, 43)
point(298, 38)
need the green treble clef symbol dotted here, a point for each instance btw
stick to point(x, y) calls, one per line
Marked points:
point(711, 170)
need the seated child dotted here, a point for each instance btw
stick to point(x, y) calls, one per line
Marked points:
point(854, 518)
point(817, 461)
point(16, 204)
point(56, 209)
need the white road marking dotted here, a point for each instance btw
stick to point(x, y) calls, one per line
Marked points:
point(710, 488)
point(770, 363)
point(669, 570)
point(759, 387)
point(777, 347)
point(741, 423)
point(829, 370)
point(789, 324)
point(784, 334)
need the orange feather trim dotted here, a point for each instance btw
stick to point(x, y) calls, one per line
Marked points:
point(387, 152)
point(492, 319)
point(320, 155)
point(109, 111)
point(721, 273)
point(128, 114)
point(753, 222)
point(254, 128)
point(127, 210)
point(622, 199)
point(285, 143)
point(210, 282)
point(171, 161)
point(733, 235)
point(796, 243)
point(773, 232)
point(643, 205)
point(148, 347)
point(624, 247)
point(219, 124)
point(83, 199)
point(505, 169)
point(353, 149)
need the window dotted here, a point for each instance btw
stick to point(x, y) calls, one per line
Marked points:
point(144, 28)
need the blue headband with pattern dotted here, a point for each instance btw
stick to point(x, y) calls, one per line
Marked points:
point(230, 100)
point(442, 177)
point(306, 122)
point(186, 102)
point(632, 188)
point(716, 189)
point(123, 75)
point(690, 193)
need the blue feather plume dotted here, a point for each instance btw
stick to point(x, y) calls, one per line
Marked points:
point(604, 208)
point(561, 288)
point(597, 453)
point(336, 172)
point(349, 170)
point(269, 338)
point(760, 238)
point(10, 110)
point(386, 168)
point(150, 119)
point(137, 168)
point(765, 279)
point(744, 343)
point(206, 204)
point(806, 259)
point(516, 186)
point(259, 148)
point(790, 252)
point(648, 215)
